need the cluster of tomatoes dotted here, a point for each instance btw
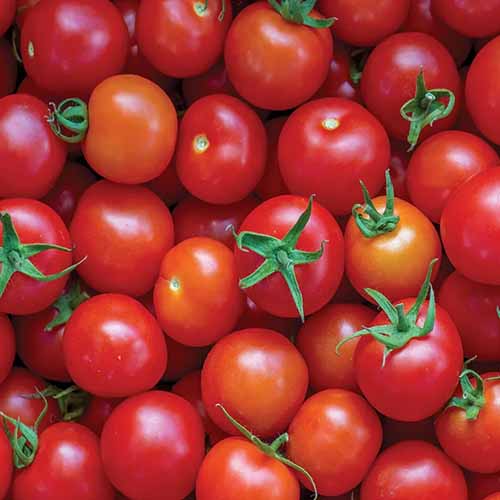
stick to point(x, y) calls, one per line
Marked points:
point(249, 250)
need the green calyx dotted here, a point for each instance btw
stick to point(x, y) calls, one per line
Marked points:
point(69, 115)
point(14, 256)
point(280, 256)
point(201, 8)
point(498, 312)
point(66, 305)
point(298, 12)
point(357, 64)
point(370, 222)
point(271, 450)
point(425, 108)
point(403, 326)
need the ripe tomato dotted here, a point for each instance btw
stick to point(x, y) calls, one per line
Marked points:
point(8, 68)
point(221, 152)
point(5, 465)
point(28, 86)
point(196, 297)
point(97, 413)
point(400, 158)
point(8, 352)
point(125, 231)
point(335, 436)
point(152, 446)
point(396, 431)
point(327, 146)
point(259, 377)
point(168, 186)
point(470, 232)
point(7, 13)
point(482, 485)
point(274, 63)
point(414, 469)
point(182, 359)
point(493, 496)
point(113, 347)
point(70, 46)
point(481, 90)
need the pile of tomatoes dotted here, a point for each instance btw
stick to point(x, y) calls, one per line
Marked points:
point(250, 250)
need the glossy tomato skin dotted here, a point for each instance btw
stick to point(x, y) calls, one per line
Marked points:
point(327, 146)
point(481, 90)
point(8, 69)
point(221, 152)
point(6, 467)
point(7, 13)
point(133, 129)
point(31, 156)
point(125, 231)
point(414, 469)
point(152, 446)
point(470, 234)
point(197, 299)
point(257, 477)
point(70, 46)
point(8, 342)
point(389, 79)
point(318, 281)
point(289, 61)
point(97, 413)
point(482, 485)
point(335, 436)
point(441, 164)
point(259, 377)
point(318, 339)
point(67, 460)
point(419, 378)
point(113, 347)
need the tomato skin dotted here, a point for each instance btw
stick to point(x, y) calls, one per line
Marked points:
point(493, 496)
point(8, 353)
point(97, 413)
point(259, 377)
point(168, 186)
point(183, 359)
point(335, 436)
point(67, 460)
point(464, 231)
point(482, 485)
point(356, 148)
point(417, 379)
point(8, 69)
point(281, 52)
point(152, 446)
point(414, 469)
point(7, 13)
point(229, 164)
point(396, 431)
point(121, 229)
point(318, 338)
point(400, 158)
point(6, 468)
point(70, 46)
point(390, 74)
point(318, 281)
point(257, 477)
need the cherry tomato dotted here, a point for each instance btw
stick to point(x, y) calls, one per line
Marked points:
point(8, 352)
point(152, 446)
point(335, 436)
point(8, 68)
point(7, 13)
point(5, 465)
point(168, 186)
point(493, 496)
point(28, 86)
point(97, 413)
point(482, 485)
point(399, 169)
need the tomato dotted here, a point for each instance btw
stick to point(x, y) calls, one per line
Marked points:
point(113, 347)
point(193, 217)
point(317, 281)
point(132, 132)
point(482, 485)
point(7, 13)
point(318, 338)
point(152, 446)
point(97, 413)
point(31, 157)
point(67, 459)
point(23, 8)
point(273, 63)
point(335, 436)
point(221, 152)
point(414, 469)
point(196, 297)
point(259, 377)
point(28, 86)
point(364, 22)
point(8, 352)
point(470, 234)
point(5, 465)
point(168, 186)
point(481, 90)
point(396, 431)
point(8, 69)
point(493, 496)
point(125, 231)
point(327, 146)
point(441, 164)
point(389, 80)
point(398, 168)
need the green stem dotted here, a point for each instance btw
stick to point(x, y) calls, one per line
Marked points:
point(72, 115)
point(298, 12)
point(66, 305)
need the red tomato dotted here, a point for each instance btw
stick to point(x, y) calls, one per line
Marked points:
point(8, 68)
point(441, 164)
point(470, 232)
point(196, 297)
point(113, 347)
point(327, 146)
point(28, 86)
point(5, 465)
point(221, 152)
point(67, 460)
point(273, 63)
point(97, 413)
point(398, 169)
point(317, 341)
point(125, 231)
point(259, 377)
point(23, 8)
point(493, 496)
point(414, 469)
point(8, 352)
point(335, 436)
point(482, 485)
point(152, 446)
point(168, 186)
point(7, 13)
point(395, 431)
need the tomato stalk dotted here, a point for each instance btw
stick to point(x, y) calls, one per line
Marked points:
point(271, 450)
point(425, 108)
point(298, 12)
point(66, 305)
point(72, 115)
point(202, 6)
